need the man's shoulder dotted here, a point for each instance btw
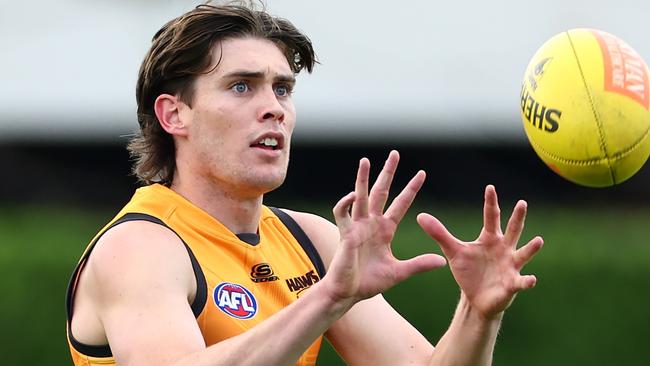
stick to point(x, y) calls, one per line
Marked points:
point(134, 235)
point(307, 220)
point(137, 247)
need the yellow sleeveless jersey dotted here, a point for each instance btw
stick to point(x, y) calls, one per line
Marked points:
point(241, 279)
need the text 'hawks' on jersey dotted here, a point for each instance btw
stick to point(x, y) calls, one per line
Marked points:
point(301, 283)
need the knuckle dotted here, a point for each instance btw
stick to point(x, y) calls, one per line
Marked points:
point(381, 191)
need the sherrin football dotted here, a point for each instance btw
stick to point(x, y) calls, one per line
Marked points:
point(585, 107)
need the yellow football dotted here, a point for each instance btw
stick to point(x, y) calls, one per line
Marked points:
point(585, 107)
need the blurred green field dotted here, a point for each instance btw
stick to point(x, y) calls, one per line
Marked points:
point(590, 306)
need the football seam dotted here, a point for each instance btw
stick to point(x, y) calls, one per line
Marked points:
point(593, 161)
point(599, 124)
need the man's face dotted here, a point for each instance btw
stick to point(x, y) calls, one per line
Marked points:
point(241, 119)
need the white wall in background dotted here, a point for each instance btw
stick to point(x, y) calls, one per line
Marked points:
point(425, 70)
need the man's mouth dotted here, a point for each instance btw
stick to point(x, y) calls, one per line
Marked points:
point(268, 142)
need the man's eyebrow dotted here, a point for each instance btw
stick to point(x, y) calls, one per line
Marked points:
point(258, 75)
point(286, 78)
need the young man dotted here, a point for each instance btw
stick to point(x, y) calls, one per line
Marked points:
point(195, 270)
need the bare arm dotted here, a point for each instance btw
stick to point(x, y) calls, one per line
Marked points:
point(143, 281)
point(141, 296)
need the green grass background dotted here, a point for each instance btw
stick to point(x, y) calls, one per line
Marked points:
point(590, 306)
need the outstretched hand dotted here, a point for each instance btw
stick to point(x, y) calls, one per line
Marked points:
point(363, 264)
point(488, 269)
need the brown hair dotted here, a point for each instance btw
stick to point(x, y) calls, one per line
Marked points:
point(180, 51)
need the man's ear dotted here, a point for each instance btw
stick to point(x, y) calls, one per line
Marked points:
point(166, 108)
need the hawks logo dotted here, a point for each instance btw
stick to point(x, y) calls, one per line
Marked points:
point(235, 300)
point(302, 283)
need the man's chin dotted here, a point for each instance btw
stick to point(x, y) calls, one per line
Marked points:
point(265, 185)
point(272, 186)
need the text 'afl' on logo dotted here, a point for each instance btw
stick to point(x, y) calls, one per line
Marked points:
point(235, 300)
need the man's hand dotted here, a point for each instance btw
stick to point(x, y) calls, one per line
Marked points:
point(363, 264)
point(487, 269)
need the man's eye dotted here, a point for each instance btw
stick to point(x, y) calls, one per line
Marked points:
point(282, 90)
point(240, 87)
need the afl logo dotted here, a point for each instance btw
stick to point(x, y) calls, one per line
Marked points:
point(235, 300)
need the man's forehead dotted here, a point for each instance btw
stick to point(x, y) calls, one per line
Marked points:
point(240, 55)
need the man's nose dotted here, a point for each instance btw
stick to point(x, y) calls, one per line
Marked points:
point(270, 107)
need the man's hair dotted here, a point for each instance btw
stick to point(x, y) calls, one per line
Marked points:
point(182, 50)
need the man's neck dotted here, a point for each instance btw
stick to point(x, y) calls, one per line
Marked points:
point(239, 213)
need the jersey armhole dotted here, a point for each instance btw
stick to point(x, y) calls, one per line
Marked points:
point(302, 239)
point(104, 350)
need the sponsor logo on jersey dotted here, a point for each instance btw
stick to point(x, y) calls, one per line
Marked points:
point(262, 272)
point(235, 300)
point(301, 283)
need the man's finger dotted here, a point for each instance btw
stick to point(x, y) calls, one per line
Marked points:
point(341, 211)
point(380, 190)
point(421, 263)
point(525, 282)
point(432, 226)
point(403, 201)
point(360, 206)
point(516, 223)
point(524, 254)
point(491, 211)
